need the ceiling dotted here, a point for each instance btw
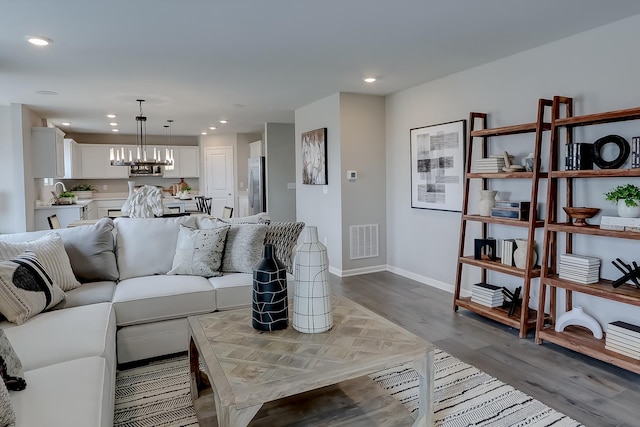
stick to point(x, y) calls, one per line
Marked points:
point(256, 61)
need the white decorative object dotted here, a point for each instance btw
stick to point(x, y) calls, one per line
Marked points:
point(487, 201)
point(132, 187)
point(311, 300)
point(578, 317)
point(628, 211)
point(520, 254)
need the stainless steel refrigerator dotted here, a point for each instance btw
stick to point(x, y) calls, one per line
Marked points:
point(257, 190)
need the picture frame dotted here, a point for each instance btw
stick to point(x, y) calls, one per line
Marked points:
point(437, 166)
point(314, 157)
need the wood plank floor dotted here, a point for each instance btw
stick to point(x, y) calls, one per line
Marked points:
point(591, 392)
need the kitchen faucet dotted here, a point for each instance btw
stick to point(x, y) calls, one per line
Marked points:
point(55, 186)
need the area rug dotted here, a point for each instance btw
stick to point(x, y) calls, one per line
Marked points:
point(157, 395)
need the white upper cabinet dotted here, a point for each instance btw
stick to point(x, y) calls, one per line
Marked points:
point(47, 152)
point(96, 163)
point(187, 163)
point(72, 159)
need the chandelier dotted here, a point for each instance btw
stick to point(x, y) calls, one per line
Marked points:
point(141, 154)
point(169, 149)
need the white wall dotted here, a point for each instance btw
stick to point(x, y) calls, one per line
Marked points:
point(279, 143)
point(598, 68)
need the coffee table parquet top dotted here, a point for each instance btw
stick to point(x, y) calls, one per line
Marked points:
point(252, 367)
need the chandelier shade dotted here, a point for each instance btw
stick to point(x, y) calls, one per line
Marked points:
point(140, 154)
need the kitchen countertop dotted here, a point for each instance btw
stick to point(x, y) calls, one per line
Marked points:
point(79, 204)
point(84, 202)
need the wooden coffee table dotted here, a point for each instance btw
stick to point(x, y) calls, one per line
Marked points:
point(246, 368)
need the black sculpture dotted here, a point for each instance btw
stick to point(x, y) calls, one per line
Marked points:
point(630, 273)
point(485, 249)
point(512, 299)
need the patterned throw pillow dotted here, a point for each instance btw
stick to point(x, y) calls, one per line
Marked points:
point(284, 238)
point(243, 249)
point(199, 252)
point(10, 365)
point(7, 414)
point(50, 251)
point(26, 288)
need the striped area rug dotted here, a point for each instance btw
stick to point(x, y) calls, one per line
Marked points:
point(157, 395)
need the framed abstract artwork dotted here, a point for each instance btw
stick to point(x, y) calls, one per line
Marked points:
point(437, 166)
point(314, 157)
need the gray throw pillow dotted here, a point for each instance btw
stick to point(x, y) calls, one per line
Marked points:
point(199, 252)
point(26, 288)
point(91, 250)
point(12, 372)
point(243, 249)
point(284, 238)
point(7, 414)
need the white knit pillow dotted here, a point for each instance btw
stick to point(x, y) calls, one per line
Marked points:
point(51, 253)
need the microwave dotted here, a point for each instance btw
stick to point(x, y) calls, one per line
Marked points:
point(145, 170)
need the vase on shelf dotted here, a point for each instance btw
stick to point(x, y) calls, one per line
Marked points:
point(270, 310)
point(312, 299)
point(577, 316)
point(487, 201)
point(520, 254)
point(625, 211)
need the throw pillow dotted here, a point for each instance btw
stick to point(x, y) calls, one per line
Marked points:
point(12, 372)
point(91, 251)
point(7, 414)
point(284, 238)
point(51, 253)
point(243, 249)
point(199, 252)
point(26, 288)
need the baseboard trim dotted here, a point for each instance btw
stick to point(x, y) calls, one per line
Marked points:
point(357, 271)
point(427, 280)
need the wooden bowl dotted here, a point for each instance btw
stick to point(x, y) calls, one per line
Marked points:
point(580, 214)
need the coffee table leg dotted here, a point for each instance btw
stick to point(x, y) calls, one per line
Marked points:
point(194, 370)
point(424, 367)
point(229, 416)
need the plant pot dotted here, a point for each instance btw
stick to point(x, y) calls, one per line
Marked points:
point(625, 211)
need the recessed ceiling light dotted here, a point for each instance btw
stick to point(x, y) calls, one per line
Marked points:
point(369, 79)
point(115, 130)
point(39, 40)
point(212, 127)
point(224, 121)
point(46, 92)
point(111, 116)
point(113, 124)
point(203, 133)
point(65, 124)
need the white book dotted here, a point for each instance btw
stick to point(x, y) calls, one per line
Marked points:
point(579, 259)
point(622, 351)
point(623, 337)
point(624, 328)
point(579, 280)
point(633, 347)
point(616, 220)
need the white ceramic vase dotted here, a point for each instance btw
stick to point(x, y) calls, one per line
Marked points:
point(487, 201)
point(311, 298)
point(132, 187)
point(577, 316)
point(625, 211)
point(520, 254)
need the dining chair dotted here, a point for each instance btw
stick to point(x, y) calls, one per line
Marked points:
point(54, 222)
point(227, 212)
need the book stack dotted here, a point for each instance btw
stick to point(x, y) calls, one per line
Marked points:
point(635, 152)
point(579, 156)
point(508, 248)
point(619, 223)
point(512, 210)
point(623, 338)
point(579, 268)
point(489, 165)
point(487, 295)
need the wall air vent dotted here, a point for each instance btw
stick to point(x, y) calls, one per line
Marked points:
point(364, 241)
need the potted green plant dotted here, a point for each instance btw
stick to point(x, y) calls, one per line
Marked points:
point(83, 191)
point(627, 198)
point(66, 198)
point(186, 193)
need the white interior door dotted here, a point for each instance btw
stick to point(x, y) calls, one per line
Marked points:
point(218, 165)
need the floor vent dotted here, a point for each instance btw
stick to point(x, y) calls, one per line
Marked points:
point(364, 241)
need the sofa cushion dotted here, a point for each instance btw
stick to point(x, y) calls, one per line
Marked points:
point(199, 252)
point(7, 414)
point(152, 298)
point(233, 290)
point(284, 238)
point(91, 250)
point(61, 335)
point(146, 340)
point(77, 393)
point(88, 293)
point(51, 252)
point(146, 246)
point(13, 374)
point(26, 288)
point(243, 249)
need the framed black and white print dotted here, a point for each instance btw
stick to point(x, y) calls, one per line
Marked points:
point(437, 166)
point(314, 157)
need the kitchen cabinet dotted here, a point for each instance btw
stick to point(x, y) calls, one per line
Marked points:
point(66, 214)
point(243, 206)
point(186, 163)
point(104, 206)
point(72, 159)
point(47, 152)
point(96, 164)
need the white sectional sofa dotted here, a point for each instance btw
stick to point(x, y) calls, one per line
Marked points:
point(127, 309)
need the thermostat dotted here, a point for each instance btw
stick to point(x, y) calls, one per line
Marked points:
point(352, 175)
